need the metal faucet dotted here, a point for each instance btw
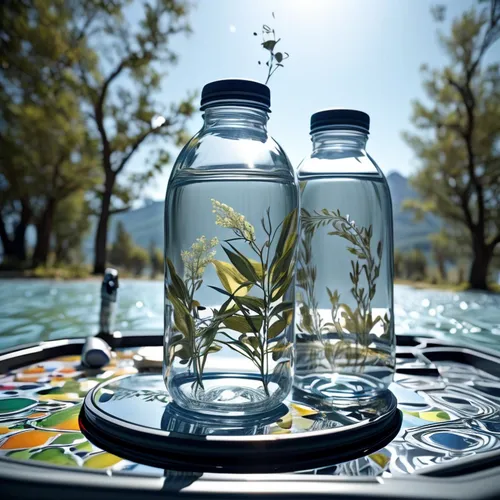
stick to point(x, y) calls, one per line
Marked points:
point(109, 296)
point(96, 352)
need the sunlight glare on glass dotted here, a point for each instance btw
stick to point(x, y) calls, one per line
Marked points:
point(232, 28)
point(157, 121)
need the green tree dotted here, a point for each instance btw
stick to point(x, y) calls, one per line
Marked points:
point(120, 81)
point(156, 260)
point(47, 154)
point(122, 248)
point(71, 226)
point(459, 178)
point(399, 264)
point(415, 265)
point(444, 251)
point(139, 260)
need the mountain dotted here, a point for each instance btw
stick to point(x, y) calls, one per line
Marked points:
point(145, 224)
point(407, 232)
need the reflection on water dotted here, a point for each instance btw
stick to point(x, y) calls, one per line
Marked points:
point(42, 310)
point(459, 317)
point(45, 310)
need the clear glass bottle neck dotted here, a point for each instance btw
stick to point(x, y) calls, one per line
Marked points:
point(236, 116)
point(339, 140)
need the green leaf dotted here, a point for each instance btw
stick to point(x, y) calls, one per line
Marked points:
point(276, 328)
point(230, 278)
point(213, 349)
point(278, 56)
point(283, 306)
point(279, 349)
point(253, 303)
point(288, 229)
point(283, 265)
point(182, 351)
point(269, 44)
point(281, 287)
point(176, 338)
point(182, 318)
point(242, 264)
point(240, 323)
point(254, 343)
point(208, 336)
point(176, 284)
point(240, 347)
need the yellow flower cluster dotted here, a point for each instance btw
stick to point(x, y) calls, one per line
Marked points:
point(197, 259)
point(225, 216)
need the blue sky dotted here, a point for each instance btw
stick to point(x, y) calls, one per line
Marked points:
point(362, 54)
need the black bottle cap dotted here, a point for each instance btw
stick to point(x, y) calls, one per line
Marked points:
point(347, 119)
point(236, 91)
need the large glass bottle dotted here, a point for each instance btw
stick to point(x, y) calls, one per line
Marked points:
point(344, 284)
point(231, 216)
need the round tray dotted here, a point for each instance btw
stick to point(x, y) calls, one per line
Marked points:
point(133, 417)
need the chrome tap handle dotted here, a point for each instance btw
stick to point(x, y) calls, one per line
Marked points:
point(109, 297)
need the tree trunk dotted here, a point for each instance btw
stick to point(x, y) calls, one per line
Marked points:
point(101, 236)
point(478, 277)
point(15, 247)
point(20, 233)
point(441, 267)
point(7, 244)
point(44, 232)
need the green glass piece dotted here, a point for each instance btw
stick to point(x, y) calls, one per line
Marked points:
point(55, 456)
point(14, 405)
point(58, 418)
point(69, 438)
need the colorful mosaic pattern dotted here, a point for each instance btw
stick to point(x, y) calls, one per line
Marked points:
point(39, 408)
point(450, 413)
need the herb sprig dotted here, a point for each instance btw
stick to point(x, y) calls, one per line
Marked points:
point(260, 319)
point(359, 321)
point(269, 43)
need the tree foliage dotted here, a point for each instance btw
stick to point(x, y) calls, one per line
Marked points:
point(71, 227)
point(46, 151)
point(119, 82)
point(122, 248)
point(79, 86)
point(156, 258)
point(458, 142)
point(410, 265)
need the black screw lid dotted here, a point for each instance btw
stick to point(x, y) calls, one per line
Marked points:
point(348, 119)
point(236, 91)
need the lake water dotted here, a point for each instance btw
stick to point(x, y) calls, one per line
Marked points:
point(31, 311)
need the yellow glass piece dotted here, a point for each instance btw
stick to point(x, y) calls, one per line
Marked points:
point(69, 425)
point(380, 459)
point(302, 410)
point(70, 396)
point(102, 461)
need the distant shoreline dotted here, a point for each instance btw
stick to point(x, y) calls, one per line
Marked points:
point(52, 275)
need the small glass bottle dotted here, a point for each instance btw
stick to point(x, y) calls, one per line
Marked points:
point(231, 217)
point(345, 340)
